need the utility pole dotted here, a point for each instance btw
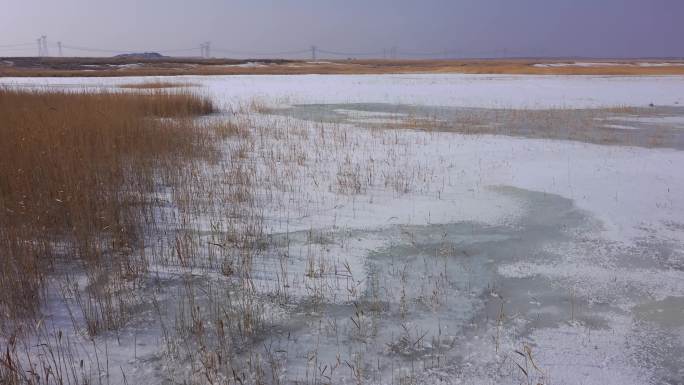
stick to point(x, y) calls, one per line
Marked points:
point(313, 53)
point(59, 48)
point(45, 46)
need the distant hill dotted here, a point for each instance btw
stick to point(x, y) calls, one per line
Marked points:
point(141, 55)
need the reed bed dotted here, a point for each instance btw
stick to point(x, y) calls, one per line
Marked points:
point(75, 169)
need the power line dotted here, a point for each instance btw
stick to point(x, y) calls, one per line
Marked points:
point(426, 54)
point(337, 53)
point(88, 49)
point(15, 45)
point(175, 50)
point(112, 51)
point(205, 50)
point(252, 53)
point(24, 49)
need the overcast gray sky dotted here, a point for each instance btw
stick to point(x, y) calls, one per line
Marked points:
point(599, 28)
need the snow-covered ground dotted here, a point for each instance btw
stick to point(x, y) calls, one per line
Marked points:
point(473, 258)
point(489, 91)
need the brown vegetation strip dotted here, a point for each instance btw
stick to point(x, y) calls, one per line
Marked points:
point(172, 67)
point(75, 169)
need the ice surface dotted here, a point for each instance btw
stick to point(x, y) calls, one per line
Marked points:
point(489, 91)
point(671, 121)
point(504, 251)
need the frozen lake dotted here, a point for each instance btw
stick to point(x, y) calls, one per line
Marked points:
point(489, 91)
point(442, 229)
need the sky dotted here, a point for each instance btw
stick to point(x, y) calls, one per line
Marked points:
point(348, 28)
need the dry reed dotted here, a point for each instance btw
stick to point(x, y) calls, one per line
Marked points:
point(75, 169)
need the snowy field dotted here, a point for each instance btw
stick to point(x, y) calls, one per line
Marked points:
point(489, 91)
point(402, 252)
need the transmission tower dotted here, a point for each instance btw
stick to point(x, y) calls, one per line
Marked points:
point(59, 48)
point(207, 49)
point(40, 47)
point(45, 46)
point(313, 53)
